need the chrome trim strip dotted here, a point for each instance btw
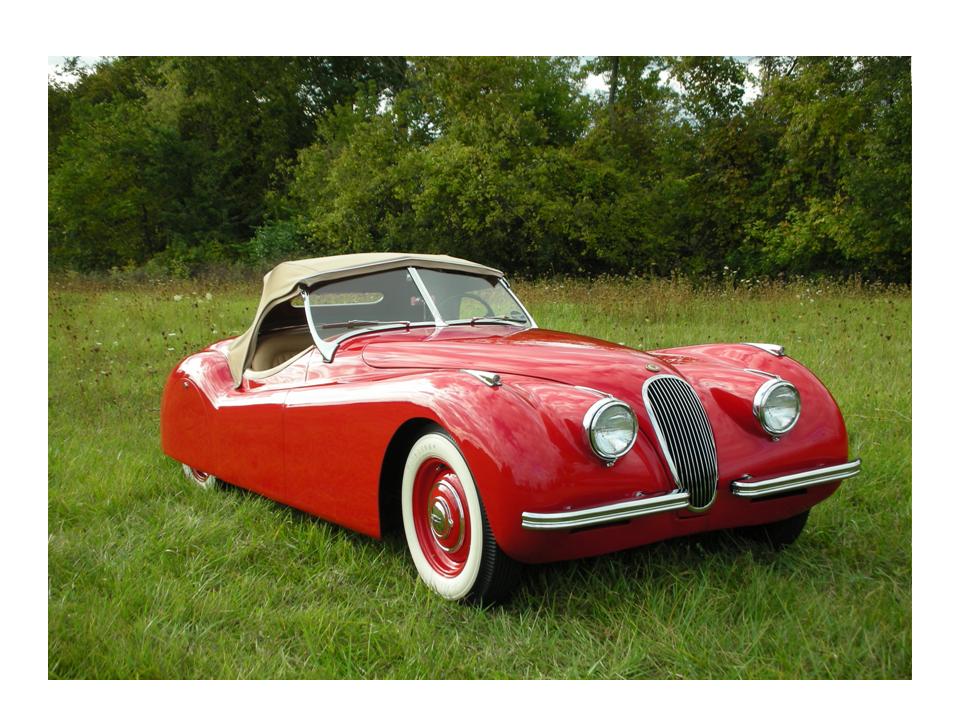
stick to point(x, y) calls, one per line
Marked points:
point(589, 517)
point(427, 298)
point(771, 348)
point(506, 285)
point(762, 373)
point(795, 481)
point(592, 390)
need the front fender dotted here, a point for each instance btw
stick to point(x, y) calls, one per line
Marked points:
point(743, 447)
point(526, 447)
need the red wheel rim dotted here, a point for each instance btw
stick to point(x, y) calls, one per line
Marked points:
point(441, 517)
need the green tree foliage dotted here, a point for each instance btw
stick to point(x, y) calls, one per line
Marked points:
point(503, 160)
point(475, 156)
point(177, 156)
point(840, 182)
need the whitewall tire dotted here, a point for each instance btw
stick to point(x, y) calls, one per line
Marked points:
point(445, 525)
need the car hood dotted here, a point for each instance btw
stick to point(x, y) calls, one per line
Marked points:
point(726, 378)
point(561, 357)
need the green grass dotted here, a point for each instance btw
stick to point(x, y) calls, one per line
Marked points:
point(151, 577)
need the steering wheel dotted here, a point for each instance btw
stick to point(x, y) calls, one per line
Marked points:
point(447, 302)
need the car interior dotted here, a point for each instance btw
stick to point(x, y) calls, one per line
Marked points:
point(284, 334)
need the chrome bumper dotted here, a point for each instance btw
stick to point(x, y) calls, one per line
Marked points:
point(604, 514)
point(797, 481)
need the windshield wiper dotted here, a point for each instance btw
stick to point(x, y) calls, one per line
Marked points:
point(489, 319)
point(362, 323)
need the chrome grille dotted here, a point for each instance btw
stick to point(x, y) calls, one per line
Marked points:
point(686, 439)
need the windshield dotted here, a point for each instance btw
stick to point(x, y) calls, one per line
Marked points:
point(366, 300)
point(393, 300)
point(460, 297)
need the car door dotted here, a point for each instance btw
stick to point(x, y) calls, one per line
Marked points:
point(251, 420)
point(335, 429)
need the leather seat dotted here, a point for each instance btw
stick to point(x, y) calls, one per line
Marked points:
point(278, 348)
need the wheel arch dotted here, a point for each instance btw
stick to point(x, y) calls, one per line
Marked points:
point(482, 422)
point(187, 418)
point(520, 440)
point(391, 472)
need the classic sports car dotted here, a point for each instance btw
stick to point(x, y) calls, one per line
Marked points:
point(416, 392)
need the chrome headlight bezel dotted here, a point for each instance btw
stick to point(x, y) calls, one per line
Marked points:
point(590, 422)
point(760, 402)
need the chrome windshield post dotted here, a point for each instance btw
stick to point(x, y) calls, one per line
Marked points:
point(427, 298)
point(506, 286)
point(327, 349)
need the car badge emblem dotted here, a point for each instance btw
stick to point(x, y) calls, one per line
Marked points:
point(652, 367)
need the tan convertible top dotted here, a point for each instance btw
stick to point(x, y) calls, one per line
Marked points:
point(282, 283)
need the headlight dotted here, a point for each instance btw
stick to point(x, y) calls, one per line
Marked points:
point(777, 406)
point(611, 428)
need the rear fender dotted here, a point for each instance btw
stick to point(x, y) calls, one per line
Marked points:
point(187, 417)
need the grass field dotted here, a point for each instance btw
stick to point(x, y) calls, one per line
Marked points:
point(151, 577)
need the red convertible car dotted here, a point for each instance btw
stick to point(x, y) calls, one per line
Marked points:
point(416, 392)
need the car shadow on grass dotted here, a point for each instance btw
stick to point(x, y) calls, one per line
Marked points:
point(564, 581)
point(682, 559)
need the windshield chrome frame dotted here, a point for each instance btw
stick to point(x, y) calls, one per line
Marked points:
point(427, 297)
point(502, 281)
point(506, 286)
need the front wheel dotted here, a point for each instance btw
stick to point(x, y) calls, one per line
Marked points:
point(446, 527)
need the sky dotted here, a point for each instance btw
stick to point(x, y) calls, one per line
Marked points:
point(54, 60)
point(598, 83)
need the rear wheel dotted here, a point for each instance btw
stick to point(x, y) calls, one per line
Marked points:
point(778, 534)
point(449, 538)
point(204, 480)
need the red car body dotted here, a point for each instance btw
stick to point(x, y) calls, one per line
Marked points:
point(329, 437)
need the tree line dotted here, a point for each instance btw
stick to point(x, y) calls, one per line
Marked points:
point(680, 164)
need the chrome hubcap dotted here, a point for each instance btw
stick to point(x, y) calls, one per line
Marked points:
point(445, 516)
point(440, 519)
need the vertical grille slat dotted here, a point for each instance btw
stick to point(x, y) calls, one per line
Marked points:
point(684, 442)
point(709, 458)
point(704, 465)
point(685, 436)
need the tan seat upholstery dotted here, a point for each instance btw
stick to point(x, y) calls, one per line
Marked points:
point(276, 349)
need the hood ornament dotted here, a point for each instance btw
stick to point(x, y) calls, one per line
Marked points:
point(653, 367)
